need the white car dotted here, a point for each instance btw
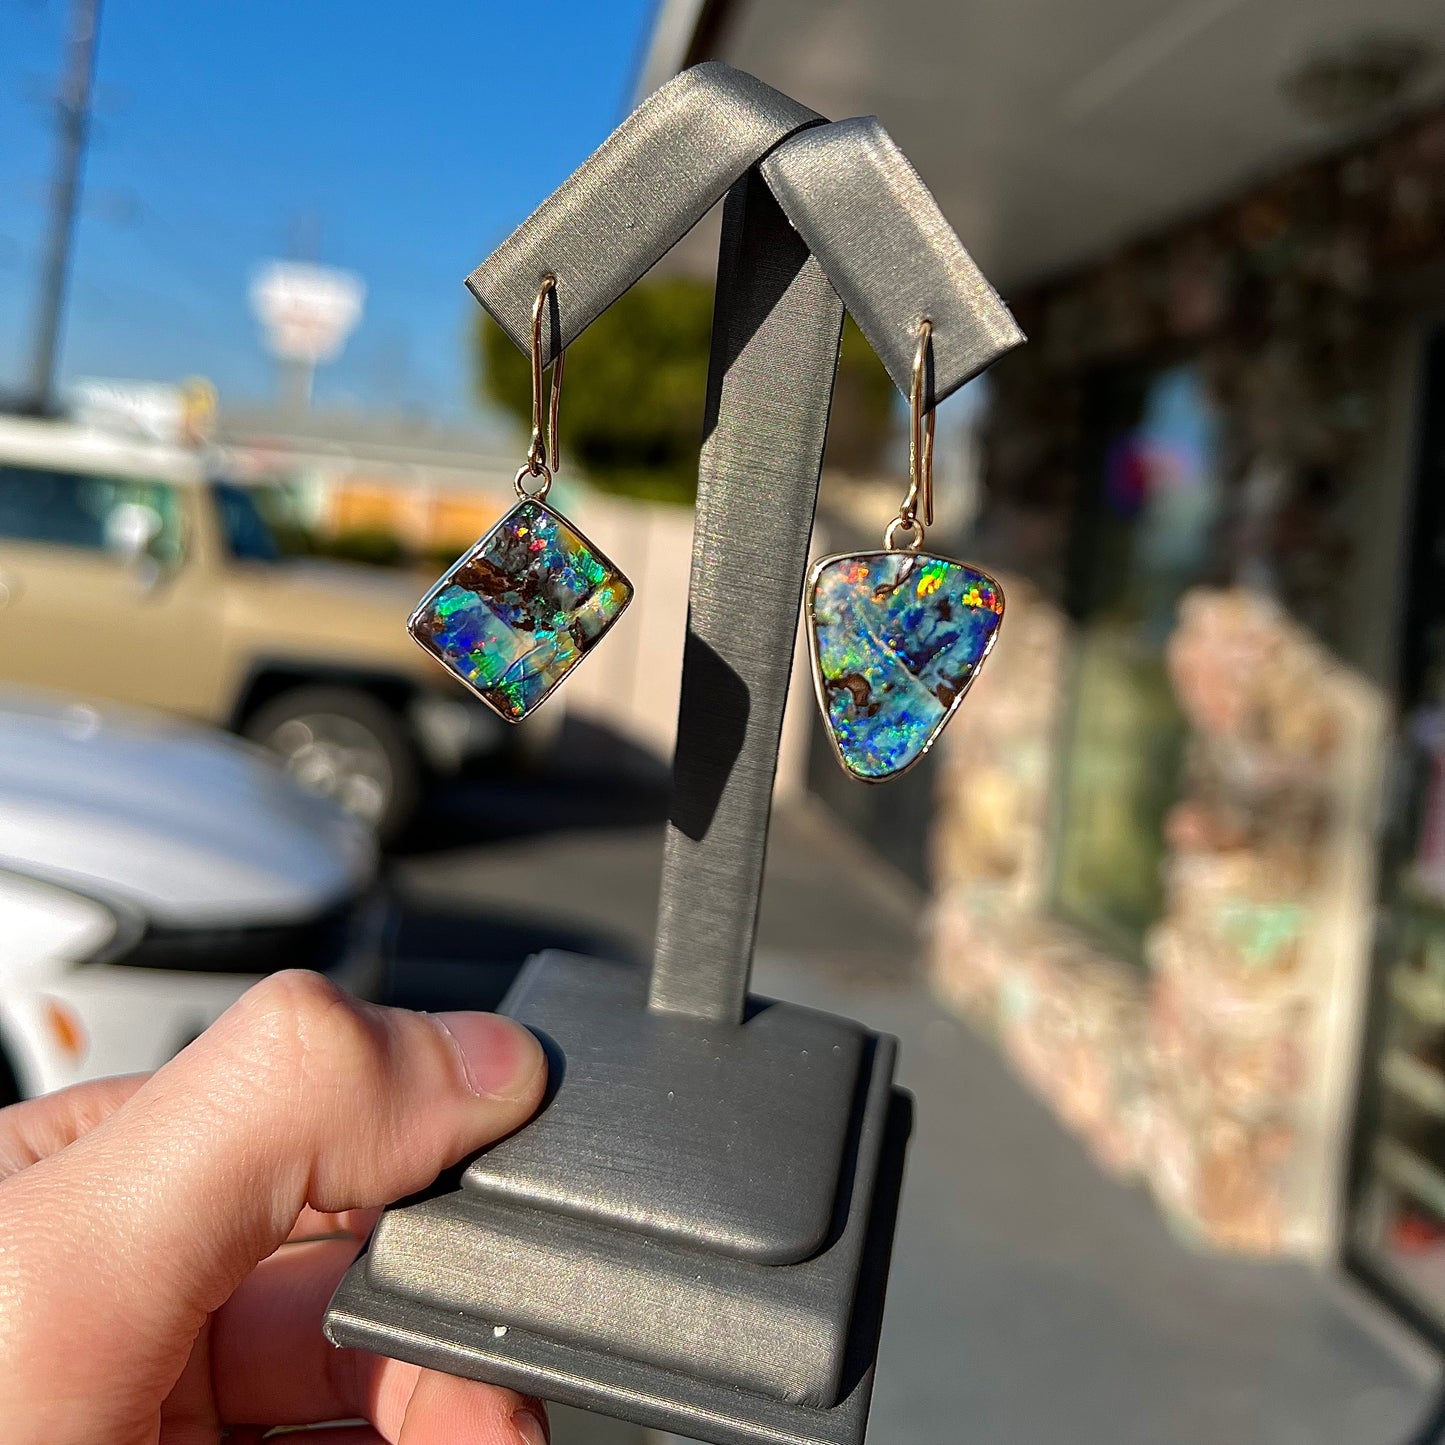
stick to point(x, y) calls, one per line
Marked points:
point(150, 872)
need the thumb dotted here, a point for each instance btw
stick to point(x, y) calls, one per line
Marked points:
point(298, 1095)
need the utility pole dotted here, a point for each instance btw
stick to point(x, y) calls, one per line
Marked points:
point(73, 129)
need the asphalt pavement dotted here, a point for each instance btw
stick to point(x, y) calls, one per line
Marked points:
point(1033, 1300)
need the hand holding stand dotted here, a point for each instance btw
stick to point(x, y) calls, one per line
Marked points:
point(694, 1232)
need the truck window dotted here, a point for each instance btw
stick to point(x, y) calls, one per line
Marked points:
point(247, 534)
point(71, 509)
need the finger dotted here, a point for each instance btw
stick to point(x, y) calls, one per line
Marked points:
point(298, 1095)
point(188, 1413)
point(271, 1362)
point(41, 1127)
point(443, 1410)
point(302, 1095)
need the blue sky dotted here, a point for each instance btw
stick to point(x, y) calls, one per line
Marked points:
point(404, 141)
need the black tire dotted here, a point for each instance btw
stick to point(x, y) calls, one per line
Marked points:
point(347, 745)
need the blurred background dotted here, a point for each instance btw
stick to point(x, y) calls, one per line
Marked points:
point(1161, 921)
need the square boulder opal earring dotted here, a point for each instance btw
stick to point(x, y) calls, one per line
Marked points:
point(898, 636)
point(524, 606)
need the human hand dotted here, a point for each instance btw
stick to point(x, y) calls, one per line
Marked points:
point(161, 1278)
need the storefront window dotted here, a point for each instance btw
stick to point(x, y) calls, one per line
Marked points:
point(1399, 1223)
point(1150, 513)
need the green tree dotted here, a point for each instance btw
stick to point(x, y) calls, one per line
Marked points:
point(636, 384)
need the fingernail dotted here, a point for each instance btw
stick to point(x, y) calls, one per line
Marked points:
point(529, 1427)
point(500, 1058)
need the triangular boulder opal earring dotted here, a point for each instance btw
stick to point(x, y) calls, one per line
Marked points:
point(898, 636)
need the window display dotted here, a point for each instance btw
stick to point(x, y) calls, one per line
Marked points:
point(1146, 534)
point(1398, 1233)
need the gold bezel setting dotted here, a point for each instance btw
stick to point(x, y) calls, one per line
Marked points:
point(414, 622)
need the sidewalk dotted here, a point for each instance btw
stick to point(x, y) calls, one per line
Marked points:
point(1033, 1299)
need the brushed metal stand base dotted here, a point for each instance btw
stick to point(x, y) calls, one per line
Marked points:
point(557, 1286)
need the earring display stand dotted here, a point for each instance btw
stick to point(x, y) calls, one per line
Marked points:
point(694, 1232)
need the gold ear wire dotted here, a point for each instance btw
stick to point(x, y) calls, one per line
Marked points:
point(915, 516)
point(544, 455)
point(920, 440)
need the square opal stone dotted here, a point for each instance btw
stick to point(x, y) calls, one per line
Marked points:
point(896, 637)
point(521, 609)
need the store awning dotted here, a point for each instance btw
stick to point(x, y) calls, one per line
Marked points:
point(1050, 130)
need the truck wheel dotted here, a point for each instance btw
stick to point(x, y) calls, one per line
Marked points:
point(344, 744)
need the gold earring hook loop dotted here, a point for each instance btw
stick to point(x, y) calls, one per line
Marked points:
point(544, 454)
point(916, 513)
point(920, 438)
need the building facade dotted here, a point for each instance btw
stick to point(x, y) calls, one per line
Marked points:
point(1186, 840)
point(1188, 855)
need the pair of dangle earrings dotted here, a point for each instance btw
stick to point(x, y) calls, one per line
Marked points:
point(519, 610)
point(898, 636)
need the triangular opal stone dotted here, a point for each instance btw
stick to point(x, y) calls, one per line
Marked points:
point(896, 638)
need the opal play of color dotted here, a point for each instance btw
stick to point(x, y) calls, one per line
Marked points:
point(521, 609)
point(897, 637)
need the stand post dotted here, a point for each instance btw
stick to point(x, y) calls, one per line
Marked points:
point(776, 330)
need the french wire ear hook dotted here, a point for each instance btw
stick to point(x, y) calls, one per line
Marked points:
point(519, 583)
point(916, 513)
point(920, 432)
point(544, 454)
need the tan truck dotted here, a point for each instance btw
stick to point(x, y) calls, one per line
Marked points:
point(129, 574)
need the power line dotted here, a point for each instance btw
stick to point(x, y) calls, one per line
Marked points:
point(72, 127)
